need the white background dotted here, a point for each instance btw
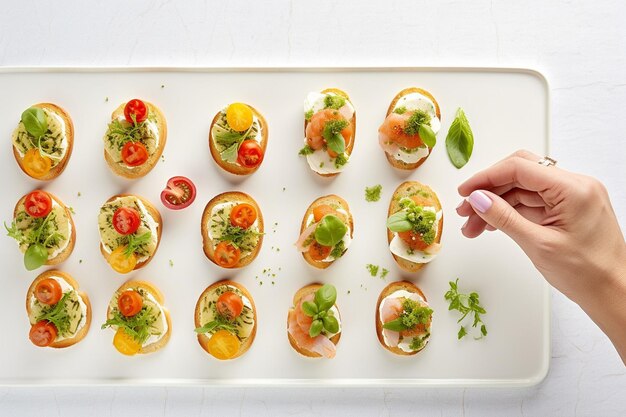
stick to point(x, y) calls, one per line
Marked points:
point(580, 46)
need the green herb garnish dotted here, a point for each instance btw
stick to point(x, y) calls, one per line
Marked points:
point(373, 269)
point(308, 115)
point(35, 122)
point(338, 250)
point(416, 119)
point(139, 326)
point(135, 242)
point(332, 134)
point(307, 150)
point(466, 304)
point(57, 315)
point(373, 193)
point(413, 314)
point(460, 140)
point(400, 110)
point(415, 218)
point(330, 231)
point(319, 311)
point(341, 160)
point(335, 102)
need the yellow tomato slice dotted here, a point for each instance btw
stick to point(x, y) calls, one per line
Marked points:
point(120, 262)
point(125, 344)
point(239, 117)
point(35, 164)
point(223, 345)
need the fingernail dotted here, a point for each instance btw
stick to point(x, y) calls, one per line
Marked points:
point(479, 201)
point(464, 224)
point(460, 204)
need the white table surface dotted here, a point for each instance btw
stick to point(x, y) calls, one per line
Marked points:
point(579, 45)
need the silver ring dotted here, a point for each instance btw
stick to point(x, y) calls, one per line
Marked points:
point(546, 161)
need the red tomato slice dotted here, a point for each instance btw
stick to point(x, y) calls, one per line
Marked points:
point(134, 154)
point(130, 303)
point(136, 109)
point(43, 333)
point(250, 154)
point(319, 252)
point(243, 215)
point(48, 291)
point(230, 305)
point(38, 204)
point(126, 220)
point(179, 193)
point(226, 255)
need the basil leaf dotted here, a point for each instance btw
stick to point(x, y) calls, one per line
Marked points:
point(316, 328)
point(226, 137)
point(35, 122)
point(399, 222)
point(330, 231)
point(230, 154)
point(395, 325)
point(330, 324)
point(309, 308)
point(427, 135)
point(460, 140)
point(325, 297)
point(462, 332)
point(336, 143)
point(35, 256)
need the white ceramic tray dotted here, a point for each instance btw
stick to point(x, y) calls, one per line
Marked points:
point(507, 108)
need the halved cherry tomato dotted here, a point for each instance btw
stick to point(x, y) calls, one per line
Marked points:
point(322, 210)
point(179, 193)
point(43, 333)
point(229, 305)
point(129, 303)
point(38, 204)
point(243, 215)
point(250, 154)
point(120, 262)
point(125, 343)
point(239, 117)
point(413, 240)
point(35, 164)
point(223, 345)
point(319, 252)
point(126, 220)
point(48, 291)
point(137, 109)
point(227, 255)
point(134, 154)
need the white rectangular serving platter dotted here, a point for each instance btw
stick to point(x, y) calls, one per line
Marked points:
point(507, 108)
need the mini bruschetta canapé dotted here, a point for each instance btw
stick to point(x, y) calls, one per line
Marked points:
point(326, 231)
point(43, 141)
point(225, 320)
point(141, 323)
point(43, 228)
point(59, 314)
point(314, 322)
point(414, 225)
point(409, 131)
point(329, 131)
point(232, 229)
point(130, 232)
point(135, 138)
point(238, 139)
point(403, 318)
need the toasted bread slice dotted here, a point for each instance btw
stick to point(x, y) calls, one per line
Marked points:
point(331, 200)
point(141, 170)
point(388, 290)
point(209, 244)
point(298, 296)
point(203, 339)
point(69, 135)
point(404, 190)
point(236, 168)
point(65, 253)
point(80, 335)
point(350, 145)
point(157, 218)
point(158, 296)
point(396, 162)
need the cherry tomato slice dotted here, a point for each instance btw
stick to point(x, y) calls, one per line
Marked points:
point(134, 154)
point(122, 263)
point(35, 164)
point(126, 220)
point(226, 255)
point(129, 303)
point(243, 215)
point(43, 333)
point(223, 345)
point(125, 343)
point(179, 193)
point(230, 305)
point(319, 252)
point(48, 291)
point(136, 109)
point(250, 154)
point(38, 204)
point(320, 211)
point(239, 117)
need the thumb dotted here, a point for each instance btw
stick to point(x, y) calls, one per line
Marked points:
point(497, 213)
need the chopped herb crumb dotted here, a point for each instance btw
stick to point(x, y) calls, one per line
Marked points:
point(80, 261)
point(171, 263)
point(384, 273)
point(373, 193)
point(373, 269)
point(79, 194)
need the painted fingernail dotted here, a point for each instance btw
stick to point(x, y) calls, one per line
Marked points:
point(460, 204)
point(479, 201)
point(465, 224)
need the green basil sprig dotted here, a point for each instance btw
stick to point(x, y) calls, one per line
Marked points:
point(35, 256)
point(35, 122)
point(330, 231)
point(319, 310)
point(413, 314)
point(460, 140)
point(332, 134)
point(427, 135)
